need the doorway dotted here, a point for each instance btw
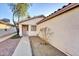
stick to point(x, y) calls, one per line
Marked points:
point(24, 29)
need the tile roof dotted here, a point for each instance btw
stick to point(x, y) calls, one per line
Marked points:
point(2, 22)
point(32, 18)
point(64, 9)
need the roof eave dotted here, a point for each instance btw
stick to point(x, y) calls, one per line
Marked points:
point(32, 18)
point(60, 11)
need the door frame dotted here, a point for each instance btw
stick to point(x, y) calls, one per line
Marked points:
point(25, 28)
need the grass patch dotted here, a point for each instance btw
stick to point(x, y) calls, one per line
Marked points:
point(15, 36)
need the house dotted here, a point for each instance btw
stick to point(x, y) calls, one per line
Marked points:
point(6, 29)
point(28, 26)
point(5, 20)
point(5, 25)
point(61, 29)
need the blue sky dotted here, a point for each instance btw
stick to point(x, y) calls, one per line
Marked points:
point(35, 10)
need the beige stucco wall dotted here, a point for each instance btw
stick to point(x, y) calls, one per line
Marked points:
point(4, 26)
point(62, 32)
point(10, 30)
point(29, 23)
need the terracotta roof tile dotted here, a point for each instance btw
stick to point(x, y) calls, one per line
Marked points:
point(32, 18)
point(6, 23)
point(65, 8)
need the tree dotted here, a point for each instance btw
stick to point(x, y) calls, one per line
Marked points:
point(19, 10)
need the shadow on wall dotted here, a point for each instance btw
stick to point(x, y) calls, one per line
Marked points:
point(46, 33)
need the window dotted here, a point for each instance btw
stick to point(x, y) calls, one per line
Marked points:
point(33, 27)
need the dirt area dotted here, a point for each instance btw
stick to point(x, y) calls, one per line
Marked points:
point(41, 48)
point(8, 46)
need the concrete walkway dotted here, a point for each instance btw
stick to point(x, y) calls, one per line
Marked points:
point(23, 48)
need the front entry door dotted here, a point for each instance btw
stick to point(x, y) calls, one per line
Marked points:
point(24, 29)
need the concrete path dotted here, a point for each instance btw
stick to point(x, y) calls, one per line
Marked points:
point(42, 48)
point(23, 48)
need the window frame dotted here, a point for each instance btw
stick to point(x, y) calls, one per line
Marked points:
point(33, 27)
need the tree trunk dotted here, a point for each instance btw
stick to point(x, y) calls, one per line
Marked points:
point(17, 31)
point(16, 25)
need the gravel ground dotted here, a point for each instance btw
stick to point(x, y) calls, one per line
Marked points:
point(41, 48)
point(8, 46)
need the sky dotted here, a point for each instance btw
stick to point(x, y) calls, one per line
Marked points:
point(35, 10)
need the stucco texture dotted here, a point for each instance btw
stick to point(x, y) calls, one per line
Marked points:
point(3, 26)
point(62, 31)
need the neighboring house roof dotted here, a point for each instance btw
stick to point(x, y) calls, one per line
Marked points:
point(5, 20)
point(64, 9)
point(32, 18)
point(2, 22)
